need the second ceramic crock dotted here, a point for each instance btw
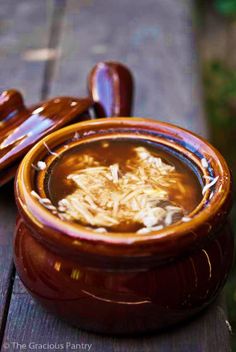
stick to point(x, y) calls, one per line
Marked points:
point(118, 283)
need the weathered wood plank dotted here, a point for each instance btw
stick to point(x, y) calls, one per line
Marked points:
point(24, 32)
point(28, 322)
point(24, 26)
point(153, 37)
point(7, 222)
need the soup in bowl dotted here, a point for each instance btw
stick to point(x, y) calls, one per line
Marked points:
point(123, 224)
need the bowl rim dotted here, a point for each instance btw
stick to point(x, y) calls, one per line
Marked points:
point(174, 238)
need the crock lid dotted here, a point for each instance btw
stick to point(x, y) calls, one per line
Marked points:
point(110, 88)
point(21, 127)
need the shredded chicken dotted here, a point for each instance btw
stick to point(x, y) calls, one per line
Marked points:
point(107, 196)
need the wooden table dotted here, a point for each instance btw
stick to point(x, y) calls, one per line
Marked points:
point(47, 48)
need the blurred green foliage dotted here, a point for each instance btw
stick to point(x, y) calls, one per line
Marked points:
point(226, 7)
point(220, 101)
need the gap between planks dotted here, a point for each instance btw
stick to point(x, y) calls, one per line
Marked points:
point(7, 302)
point(53, 44)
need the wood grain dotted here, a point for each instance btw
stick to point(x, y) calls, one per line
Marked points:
point(7, 223)
point(24, 26)
point(155, 39)
point(24, 38)
point(28, 322)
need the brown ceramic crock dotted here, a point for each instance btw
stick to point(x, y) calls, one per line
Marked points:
point(119, 283)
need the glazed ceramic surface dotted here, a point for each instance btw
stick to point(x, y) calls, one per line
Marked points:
point(110, 86)
point(22, 127)
point(120, 283)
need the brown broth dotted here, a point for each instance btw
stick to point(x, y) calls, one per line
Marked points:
point(119, 151)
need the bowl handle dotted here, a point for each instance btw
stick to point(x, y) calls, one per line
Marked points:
point(110, 85)
point(11, 103)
